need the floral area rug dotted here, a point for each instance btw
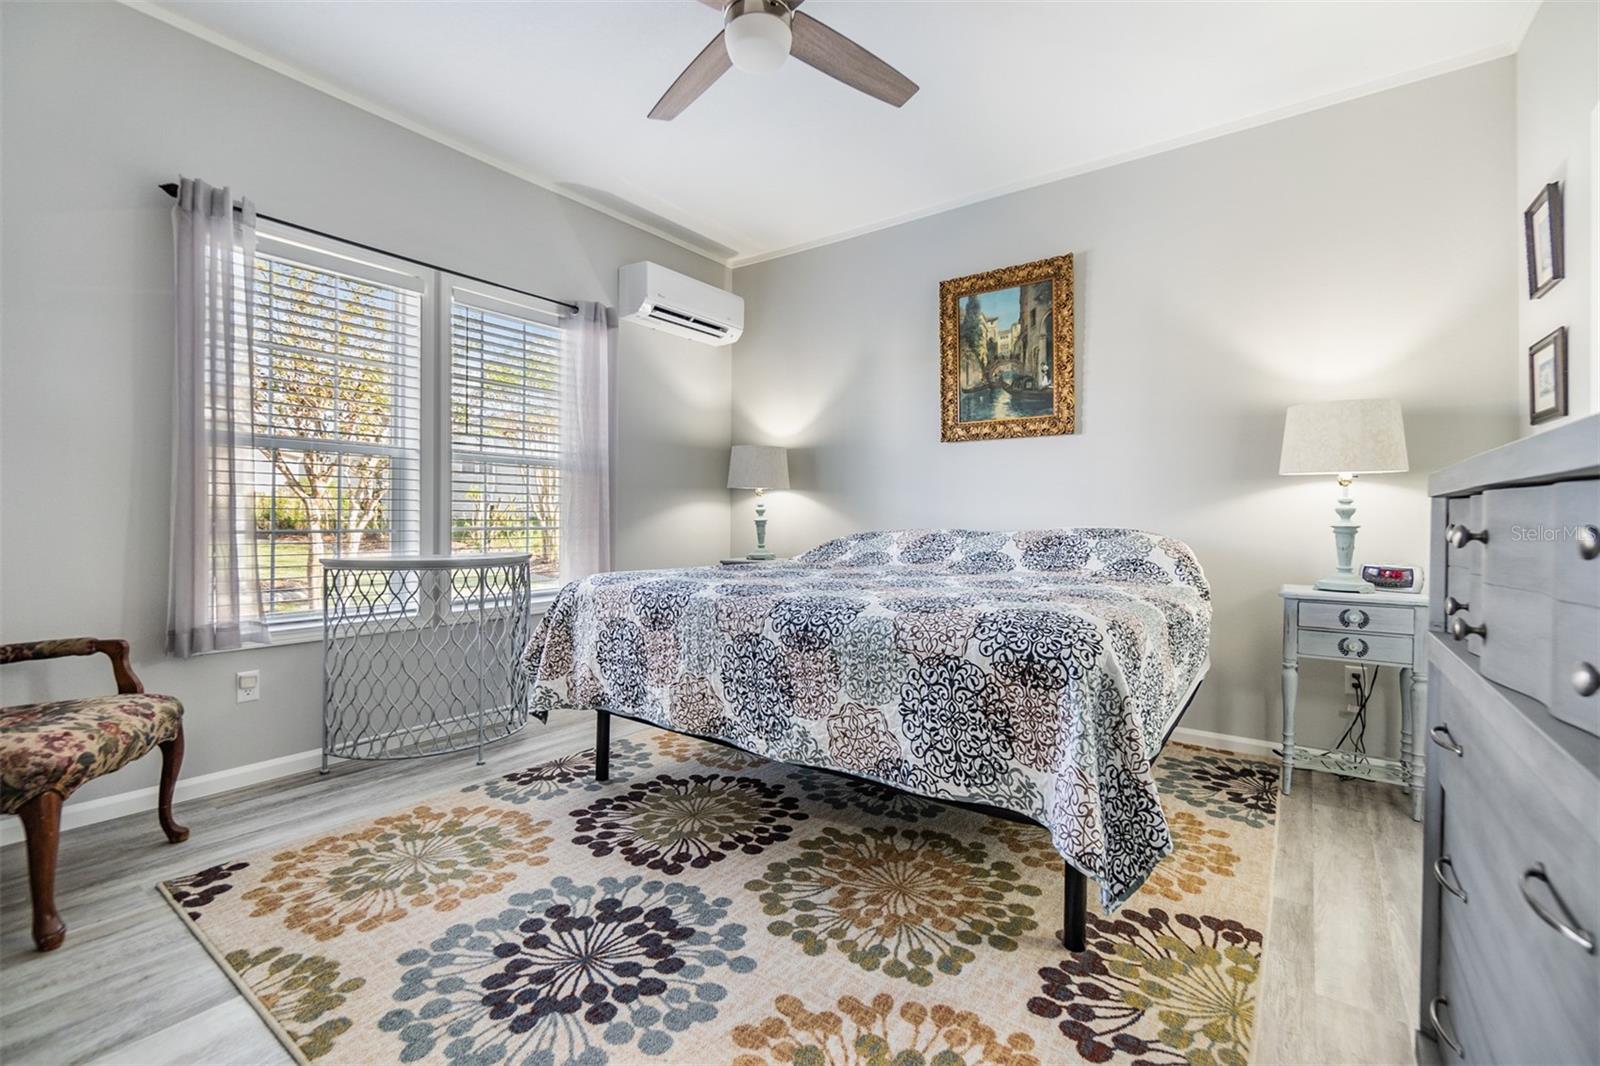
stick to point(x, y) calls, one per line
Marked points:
point(706, 906)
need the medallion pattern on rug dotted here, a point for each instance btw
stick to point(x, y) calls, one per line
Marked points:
point(708, 906)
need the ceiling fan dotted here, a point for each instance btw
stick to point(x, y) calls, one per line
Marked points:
point(758, 35)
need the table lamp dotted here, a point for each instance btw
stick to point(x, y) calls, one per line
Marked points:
point(1344, 438)
point(760, 467)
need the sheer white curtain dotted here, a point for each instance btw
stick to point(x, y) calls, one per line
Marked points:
point(214, 600)
point(586, 443)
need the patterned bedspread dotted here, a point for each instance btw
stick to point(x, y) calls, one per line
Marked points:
point(1035, 671)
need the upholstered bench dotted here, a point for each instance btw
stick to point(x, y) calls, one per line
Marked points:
point(47, 750)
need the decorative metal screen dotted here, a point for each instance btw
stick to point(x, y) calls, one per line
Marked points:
point(422, 654)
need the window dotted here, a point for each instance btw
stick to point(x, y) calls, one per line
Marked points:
point(336, 356)
point(505, 430)
point(354, 359)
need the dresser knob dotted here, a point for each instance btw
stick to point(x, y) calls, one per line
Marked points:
point(1454, 606)
point(1354, 617)
point(1459, 536)
point(1589, 542)
point(1356, 647)
point(1585, 679)
point(1461, 629)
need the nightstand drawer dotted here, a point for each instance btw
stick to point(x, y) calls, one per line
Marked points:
point(1356, 647)
point(1358, 619)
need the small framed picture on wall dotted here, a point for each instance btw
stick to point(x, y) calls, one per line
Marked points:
point(1541, 225)
point(1547, 378)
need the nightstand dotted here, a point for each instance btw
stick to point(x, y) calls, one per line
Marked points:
point(1360, 629)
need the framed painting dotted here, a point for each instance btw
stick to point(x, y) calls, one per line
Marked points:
point(1542, 227)
point(1005, 353)
point(1547, 378)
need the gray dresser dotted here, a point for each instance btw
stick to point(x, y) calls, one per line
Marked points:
point(1511, 879)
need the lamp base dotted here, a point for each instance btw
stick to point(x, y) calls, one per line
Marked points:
point(762, 557)
point(1340, 583)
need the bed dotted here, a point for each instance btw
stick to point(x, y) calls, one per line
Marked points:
point(1034, 675)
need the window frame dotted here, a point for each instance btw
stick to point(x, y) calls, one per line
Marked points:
point(495, 299)
point(435, 292)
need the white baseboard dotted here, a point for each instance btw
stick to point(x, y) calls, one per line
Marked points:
point(89, 812)
point(74, 815)
point(1224, 741)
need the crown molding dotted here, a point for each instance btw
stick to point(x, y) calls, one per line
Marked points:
point(1434, 70)
point(294, 73)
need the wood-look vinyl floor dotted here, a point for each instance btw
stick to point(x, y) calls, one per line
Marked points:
point(132, 986)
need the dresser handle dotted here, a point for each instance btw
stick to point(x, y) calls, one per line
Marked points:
point(1356, 647)
point(1461, 629)
point(1459, 536)
point(1566, 925)
point(1439, 1029)
point(1589, 542)
point(1454, 606)
point(1354, 617)
point(1585, 679)
point(1453, 884)
point(1441, 736)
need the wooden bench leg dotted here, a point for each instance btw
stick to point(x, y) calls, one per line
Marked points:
point(41, 821)
point(171, 763)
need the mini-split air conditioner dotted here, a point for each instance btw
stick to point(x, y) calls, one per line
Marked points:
point(663, 299)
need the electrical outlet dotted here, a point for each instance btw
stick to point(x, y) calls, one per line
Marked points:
point(1354, 681)
point(247, 686)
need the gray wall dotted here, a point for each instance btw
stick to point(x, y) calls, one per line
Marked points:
point(1558, 84)
point(102, 103)
point(1360, 250)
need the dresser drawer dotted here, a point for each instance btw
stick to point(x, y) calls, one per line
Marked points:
point(1356, 647)
point(1466, 511)
point(1521, 553)
point(1357, 619)
point(1575, 667)
point(1577, 521)
point(1507, 858)
point(1462, 587)
point(1517, 649)
point(1463, 996)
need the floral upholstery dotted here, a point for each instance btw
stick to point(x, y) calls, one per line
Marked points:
point(47, 649)
point(56, 747)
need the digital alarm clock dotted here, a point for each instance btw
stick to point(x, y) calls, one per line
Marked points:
point(1392, 578)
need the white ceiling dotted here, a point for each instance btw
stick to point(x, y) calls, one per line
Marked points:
point(1013, 93)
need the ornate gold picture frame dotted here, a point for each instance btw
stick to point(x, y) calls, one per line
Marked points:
point(1005, 353)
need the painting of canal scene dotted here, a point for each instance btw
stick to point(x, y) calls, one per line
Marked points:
point(1006, 352)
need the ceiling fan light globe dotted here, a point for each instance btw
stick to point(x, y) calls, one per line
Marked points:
point(758, 43)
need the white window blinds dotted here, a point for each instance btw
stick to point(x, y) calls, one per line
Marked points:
point(505, 426)
point(336, 463)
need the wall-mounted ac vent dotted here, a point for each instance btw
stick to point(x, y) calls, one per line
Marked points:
point(663, 299)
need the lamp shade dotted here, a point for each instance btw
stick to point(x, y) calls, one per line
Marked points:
point(758, 466)
point(1344, 437)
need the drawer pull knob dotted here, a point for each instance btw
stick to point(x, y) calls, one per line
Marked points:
point(1565, 924)
point(1354, 617)
point(1441, 736)
point(1439, 1028)
point(1459, 536)
point(1452, 884)
point(1356, 647)
point(1589, 542)
point(1454, 606)
point(1461, 629)
point(1585, 679)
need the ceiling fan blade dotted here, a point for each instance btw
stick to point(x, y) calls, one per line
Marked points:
point(839, 57)
point(711, 64)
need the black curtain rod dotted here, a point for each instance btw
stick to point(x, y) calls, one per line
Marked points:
point(171, 189)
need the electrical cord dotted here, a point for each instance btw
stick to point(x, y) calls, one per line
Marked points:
point(1358, 724)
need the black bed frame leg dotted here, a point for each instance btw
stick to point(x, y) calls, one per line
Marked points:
point(1075, 912)
point(602, 746)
